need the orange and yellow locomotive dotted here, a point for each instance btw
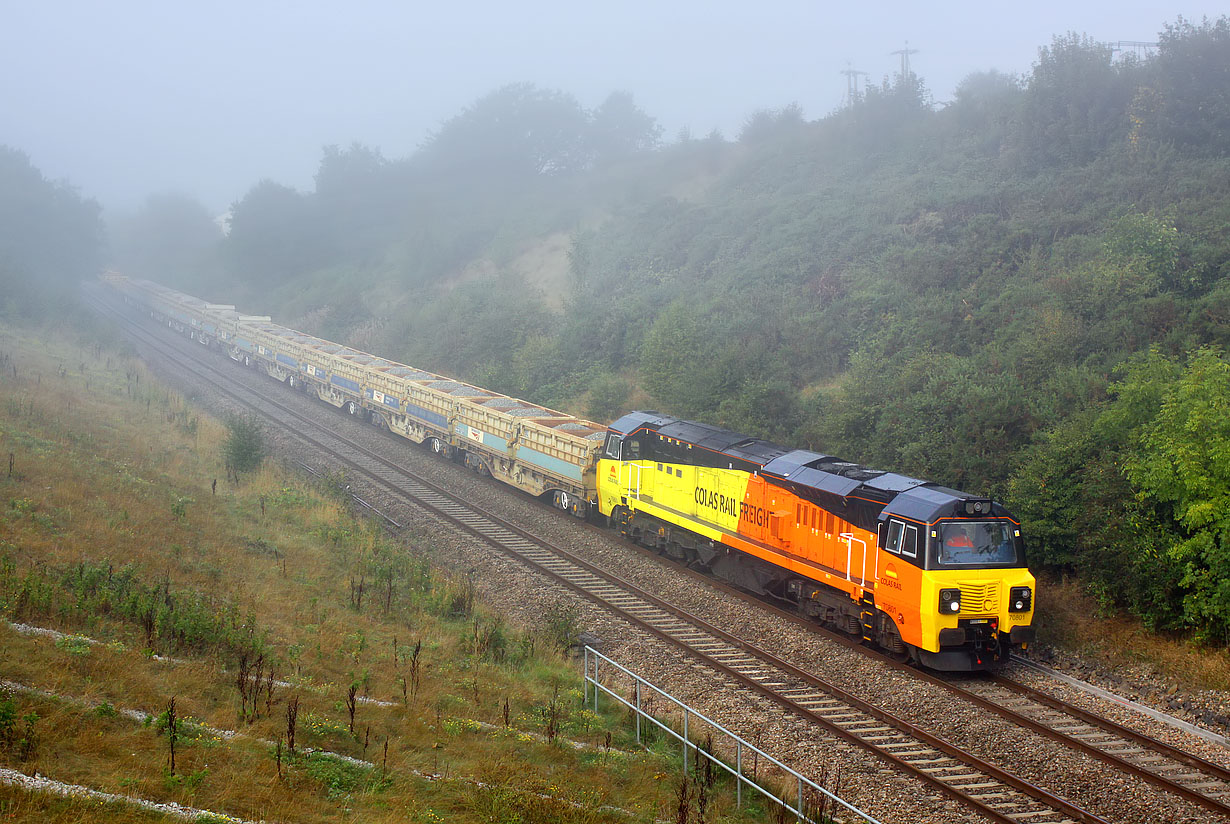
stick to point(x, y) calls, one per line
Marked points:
point(926, 572)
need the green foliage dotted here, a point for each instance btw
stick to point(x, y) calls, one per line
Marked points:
point(73, 645)
point(274, 233)
point(50, 238)
point(8, 719)
point(967, 293)
point(1184, 464)
point(1075, 102)
point(618, 129)
point(1191, 102)
point(339, 777)
point(560, 625)
point(169, 618)
point(609, 397)
point(171, 239)
point(244, 448)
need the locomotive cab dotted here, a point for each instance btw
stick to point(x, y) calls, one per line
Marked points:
point(976, 595)
point(981, 592)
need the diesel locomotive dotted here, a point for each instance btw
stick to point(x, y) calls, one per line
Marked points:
point(927, 573)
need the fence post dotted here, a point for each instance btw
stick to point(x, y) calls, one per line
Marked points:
point(738, 773)
point(638, 710)
point(595, 684)
point(585, 679)
point(800, 807)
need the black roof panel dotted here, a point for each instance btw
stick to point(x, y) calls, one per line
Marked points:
point(635, 420)
point(892, 482)
point(825, 481)
point(758, 451)
point(783, 465)
point(923, 503)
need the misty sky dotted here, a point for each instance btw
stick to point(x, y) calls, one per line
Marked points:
point(128, 98)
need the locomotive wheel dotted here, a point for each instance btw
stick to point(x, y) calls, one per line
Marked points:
point(890, 641)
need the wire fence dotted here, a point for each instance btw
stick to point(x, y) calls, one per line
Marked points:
point(642, 693)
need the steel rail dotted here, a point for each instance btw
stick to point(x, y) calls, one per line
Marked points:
point(1209, 788)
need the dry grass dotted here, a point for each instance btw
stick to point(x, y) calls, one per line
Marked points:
point(1070, 618)
point(112, 474)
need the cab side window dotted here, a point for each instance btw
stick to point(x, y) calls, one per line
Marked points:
point(909, 546)
point(896, 532)
point(634, 449)
point(612, 446)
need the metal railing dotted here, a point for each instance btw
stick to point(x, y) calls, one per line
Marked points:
point(741, 748)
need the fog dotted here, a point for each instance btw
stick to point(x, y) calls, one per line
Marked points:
point(130, 98)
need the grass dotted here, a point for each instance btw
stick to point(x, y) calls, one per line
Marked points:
point(110, 531)
point(1069, 617)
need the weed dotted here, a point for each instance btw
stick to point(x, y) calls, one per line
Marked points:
point(561, 624)
point(351, 702)
point(73, 644)
point(340, 777)
point(179, 507)
point(27, 742)
point(8, 719)
point(187, 781)
point(292, 721)
point(173, 619)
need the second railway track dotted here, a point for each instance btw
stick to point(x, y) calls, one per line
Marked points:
point(993, 792)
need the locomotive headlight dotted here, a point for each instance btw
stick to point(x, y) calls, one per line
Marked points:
point(950, 601)
point(1020, 599)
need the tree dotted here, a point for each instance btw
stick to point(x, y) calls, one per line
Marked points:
point(1193, 86)
point(514, 134)
point(678, 361)
point(360, 201)
point(244, 449)
point(764, 124)
point(618, 129)
point(172, 238)
point(1075, 103)
point(986, 101)
point(1184, 463)
point(274, 233)
point(50, 237)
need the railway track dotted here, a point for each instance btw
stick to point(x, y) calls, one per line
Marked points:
point(1186, 775)
point(992, 791)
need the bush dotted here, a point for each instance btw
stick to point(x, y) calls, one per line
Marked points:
point(244, 449)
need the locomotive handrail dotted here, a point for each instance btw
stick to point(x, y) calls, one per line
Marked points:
point(850, 538)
